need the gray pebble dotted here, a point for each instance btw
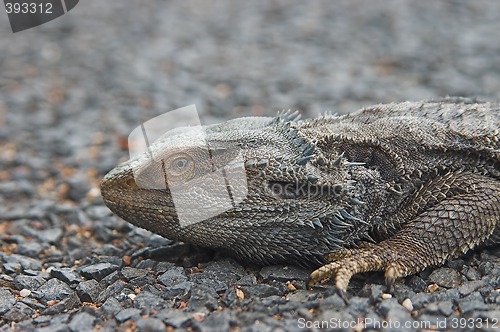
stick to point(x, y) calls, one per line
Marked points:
point(260, 290)
point(78, 186)
point(174, 318)
point(54, 328)
point(33, 303)
point(150, 325)
point(98, 271)
point(66, 274)
point(109, 279)
point(88, 290)
point(54, 289)
point(173, 276)
point(111, 290)
point(470, 273)
point(64, 305)
point(52, 235)
point(469, 287)
point(81, 322)
point(30, 249)
point(111, 307)
point(334, 302)
point(284, 273)
point(471, 303)
point(126, 314)
point(7, 300)
point(446, 277)
point(203, 298)
point(150, 301)
point(130, 273)
point(180, 291)
point(28, 282)
point(27, 263)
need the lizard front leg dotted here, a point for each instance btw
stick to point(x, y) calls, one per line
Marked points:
point(453, 213)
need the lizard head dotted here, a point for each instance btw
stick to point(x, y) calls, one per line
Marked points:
point(257, 187)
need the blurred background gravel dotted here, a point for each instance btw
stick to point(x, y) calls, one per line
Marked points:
point(72, 90)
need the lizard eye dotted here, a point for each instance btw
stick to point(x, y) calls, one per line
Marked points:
point(181, 165)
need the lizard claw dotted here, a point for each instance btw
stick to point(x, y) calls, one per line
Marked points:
point(343, 295)
point(332, 270)
point(390, 276)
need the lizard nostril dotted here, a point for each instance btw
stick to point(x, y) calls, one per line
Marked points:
point(131, 183)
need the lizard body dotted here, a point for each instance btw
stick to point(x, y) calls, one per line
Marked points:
point(395, 187)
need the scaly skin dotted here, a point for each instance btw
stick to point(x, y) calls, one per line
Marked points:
point(392, 188)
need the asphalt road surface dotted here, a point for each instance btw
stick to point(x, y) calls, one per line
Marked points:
point(72, 90)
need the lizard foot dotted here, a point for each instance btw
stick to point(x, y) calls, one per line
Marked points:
point(462, 210)
point(348, 262)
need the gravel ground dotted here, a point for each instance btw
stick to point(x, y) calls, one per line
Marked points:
point(73, 89)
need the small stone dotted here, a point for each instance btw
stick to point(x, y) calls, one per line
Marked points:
point(283, 273)
point(333, 301)
point(127, 314)
point(24, 292)
point(62, 306)
point(386, 296)
point(470, 273)
point(111, 307)
point(445, 308)
point(98, 271)
point(147, 300)
point(57, 327)
point(469, 287)
point(7, 300)
point(28, 282)
point(111, 290)
point(174, 318)
point(416, 283)
point(81, 321)
point(260, 290)
point(27, 263)
point(181, 291)
point(132, 296)
point(19, 312)
point(54, 289)
point(248, 280)
point(78, 186)
point(65, 274)
point(407, 304)
point(109, 279)
point(446, 277)
point(11, 267)
point(88, 290)
point(291, 286)
point(203, 298)
point(33, 303)
point(157, 241)
point(29, 248)
point(130, 273)
point(239, 294)
point(229, 297)
point(173, 276)
point(58, 296)
point(432, 288)
point(52, 235)
point(42, 320)
point(150, 325)
point(472, 303)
